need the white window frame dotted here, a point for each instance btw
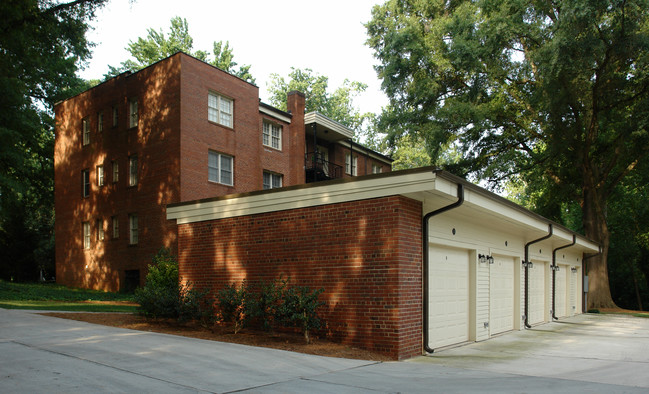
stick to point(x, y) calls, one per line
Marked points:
point(377, 169)
point(115, 224)
point(100, 175)
point(353, 162)
point(115, 171)
point(217, 111)
point(101, 233)
point(133, 230)
point(85, 127)
point(85, 182)
point(272, 180)
point(215, 168)
point(272, 135)
point(132, 113)
point(132, 170)
point(86, 234)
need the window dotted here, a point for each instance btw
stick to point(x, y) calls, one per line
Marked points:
point(272, 135)
point(100, 121)
point(86, 235)
point(132, 113)
point(85, 125)
point(133, 229)
point(115, 117)
point(100, 175)
point(132, 170)
point(219, 168)
point(219, 109)
point(115, 222)
point(100, 230)
point(272, 180)
point(376, 169)
point(115, 172)
point(351, 164)
point(85, 182)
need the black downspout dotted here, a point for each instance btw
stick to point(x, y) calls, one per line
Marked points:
point(554, 274)
point(526, 262)
point(424, 230)
point(315, 152)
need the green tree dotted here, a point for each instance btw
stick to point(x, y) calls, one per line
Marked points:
point(157, 46)
point(42, 44)
point(557, 89)
point(338, 105)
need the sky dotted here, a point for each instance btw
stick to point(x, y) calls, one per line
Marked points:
point(271, 36)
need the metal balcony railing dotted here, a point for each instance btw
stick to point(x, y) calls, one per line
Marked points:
point(320, 169)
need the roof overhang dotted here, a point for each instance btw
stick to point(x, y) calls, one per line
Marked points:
point(434, 188)
point(327, 129)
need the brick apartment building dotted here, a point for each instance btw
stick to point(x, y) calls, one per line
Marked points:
point(179, 130)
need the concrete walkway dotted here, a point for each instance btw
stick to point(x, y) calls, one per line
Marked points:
point(38, 354)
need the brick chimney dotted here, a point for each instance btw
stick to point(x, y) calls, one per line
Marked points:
point(295, 104)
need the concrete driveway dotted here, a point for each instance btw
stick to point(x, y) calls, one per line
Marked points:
point(603, 354)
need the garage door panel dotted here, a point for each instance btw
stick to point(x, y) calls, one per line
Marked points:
point(501, 295)
point(560, 291)
point(448, 296)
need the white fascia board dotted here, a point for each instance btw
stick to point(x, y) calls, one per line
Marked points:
point(279, 200)
point(488, 202)
point(274, 114)
point(318, 118)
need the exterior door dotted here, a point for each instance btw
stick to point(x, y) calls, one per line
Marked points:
point(448, 296)
point(560, 291)
point(536, 295)
point(501, 295)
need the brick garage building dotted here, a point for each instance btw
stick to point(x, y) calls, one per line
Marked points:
point(361, 240)
point(178, 130)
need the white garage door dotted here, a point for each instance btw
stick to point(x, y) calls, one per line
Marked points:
point(536, 297)
point(448, 296)
point(501, 291)
point(560, 291)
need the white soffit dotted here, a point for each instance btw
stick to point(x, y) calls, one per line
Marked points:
point(274, 114)
point(318, 118)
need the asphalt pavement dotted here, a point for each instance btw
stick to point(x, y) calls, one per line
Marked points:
point(587, 353)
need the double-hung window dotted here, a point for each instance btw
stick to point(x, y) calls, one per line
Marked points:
point(272, 135)
point(132, 113)
point(272, 180)
point(133, 229)
point(351, 164)
point(115, 116)
point(86, 235)
point(85, 182)
point(100, 121)
point(85, 126)
point(220, 168)
point(376, 169)
point(219, 109)
point(132, 170)
point(100, 175)
point(115, 221)
point(100, 230)
point(115, 172)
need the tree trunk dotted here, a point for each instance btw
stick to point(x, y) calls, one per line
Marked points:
point(595, 227)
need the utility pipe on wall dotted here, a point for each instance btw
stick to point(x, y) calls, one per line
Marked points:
point(554, 274)
point(527, 261)
point(424, 230)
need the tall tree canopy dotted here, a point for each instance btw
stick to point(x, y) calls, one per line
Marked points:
point(156, 46)
point(42, 43)
point(557, 90)
point(338, 105)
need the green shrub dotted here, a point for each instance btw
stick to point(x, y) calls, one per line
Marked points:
point(234, 305)
point(161, 294)
point(266, 304)
point(299, 309)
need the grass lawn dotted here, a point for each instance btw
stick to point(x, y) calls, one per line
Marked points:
point(49, 296)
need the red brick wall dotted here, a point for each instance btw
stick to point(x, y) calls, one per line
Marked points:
point(365, 254)
point(156, 143)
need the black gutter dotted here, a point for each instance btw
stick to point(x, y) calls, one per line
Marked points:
point(554, 274)
point(424, 230)
point(526, 262)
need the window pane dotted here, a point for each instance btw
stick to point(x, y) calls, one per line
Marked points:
point(226, 170)
point(226, 120)
point(132, 171)
point(115, 227)
point(226, 105)
point(277, 180)
point(213, 167)
point(267, 181)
